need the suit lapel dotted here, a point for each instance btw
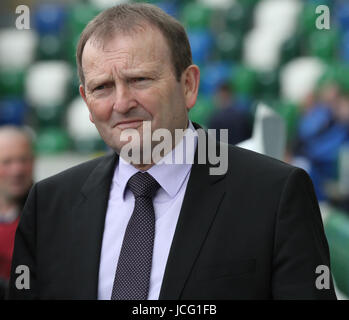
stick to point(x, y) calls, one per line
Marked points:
point(88, 221)
point(201, 202)
point(203, 196)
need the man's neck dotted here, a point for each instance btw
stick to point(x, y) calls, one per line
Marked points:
point(7, 206)
point(146, 166)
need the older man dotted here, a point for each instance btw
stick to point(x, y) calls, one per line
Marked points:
point(16, 175)
point(117, 229)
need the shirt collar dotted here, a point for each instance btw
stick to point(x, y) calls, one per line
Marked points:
point(9, 216)
point(170, 176)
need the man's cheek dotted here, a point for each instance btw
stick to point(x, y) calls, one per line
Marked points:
point(3, 176)
point(98, 116)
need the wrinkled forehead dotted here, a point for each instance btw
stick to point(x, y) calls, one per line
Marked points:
point(144, 46)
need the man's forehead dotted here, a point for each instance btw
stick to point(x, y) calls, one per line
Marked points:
point(142, 48)
point(12, 137)
point(9, 144)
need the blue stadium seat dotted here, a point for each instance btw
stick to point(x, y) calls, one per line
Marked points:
point(49, 18)
point(201, 42)
point(12, 111)
point(214, 74)
point(341, 15)
point(170, 8)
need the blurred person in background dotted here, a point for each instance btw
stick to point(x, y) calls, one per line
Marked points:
point(341, 112)
point(16, 178)
point(321, 133)
point(230, 116)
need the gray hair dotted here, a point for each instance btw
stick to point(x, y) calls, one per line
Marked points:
point(11, 130)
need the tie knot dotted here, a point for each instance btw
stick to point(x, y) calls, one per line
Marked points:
point(143, 185)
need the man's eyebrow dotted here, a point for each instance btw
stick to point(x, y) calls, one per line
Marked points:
point(141, 71)
point(96, 81)
point(129, 73)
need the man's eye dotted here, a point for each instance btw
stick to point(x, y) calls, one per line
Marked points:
point(101, 87)
point(139, 79)
point(5, 162)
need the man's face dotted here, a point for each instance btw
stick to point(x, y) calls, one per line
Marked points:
point(16, 166)
point(131, 79)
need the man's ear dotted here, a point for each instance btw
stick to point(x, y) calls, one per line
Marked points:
point(82, 92)
point(83, 96)
point(191, 80)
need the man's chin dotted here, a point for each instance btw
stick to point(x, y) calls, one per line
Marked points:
point(17, 195)
point(135, 153)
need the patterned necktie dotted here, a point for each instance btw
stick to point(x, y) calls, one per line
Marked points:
point(133, 271)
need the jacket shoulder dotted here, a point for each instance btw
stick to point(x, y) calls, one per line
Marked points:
point(255, 165)
point(75, 175)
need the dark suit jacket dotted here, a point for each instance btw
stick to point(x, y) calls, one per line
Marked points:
point(252, 233)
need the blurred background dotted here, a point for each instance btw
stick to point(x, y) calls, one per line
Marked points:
point(269, 74)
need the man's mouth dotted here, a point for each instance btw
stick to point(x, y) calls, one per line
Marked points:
point(129, 124)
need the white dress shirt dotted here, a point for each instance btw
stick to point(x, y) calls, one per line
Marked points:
point(173, 179)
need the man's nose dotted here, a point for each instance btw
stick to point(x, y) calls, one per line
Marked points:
point(124, 100)
point(16, 168)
